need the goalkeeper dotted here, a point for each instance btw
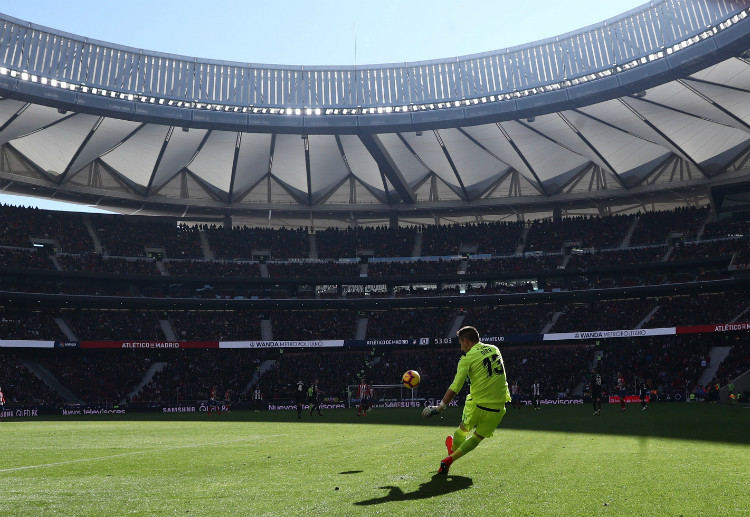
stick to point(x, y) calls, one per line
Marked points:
point(485, 403)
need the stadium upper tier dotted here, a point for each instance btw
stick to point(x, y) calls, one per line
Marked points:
point(614, 110)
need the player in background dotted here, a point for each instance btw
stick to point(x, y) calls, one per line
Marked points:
point(227, 401)
point(364, 392)
point(257, 398)
point(622, 387)
point(643, 392)
point(515, 395)
point(299, 397)
point(596, 392)
point(483, 365)
point(212, 404)
point(536, 394)
point(314, 395)
point(2, 402)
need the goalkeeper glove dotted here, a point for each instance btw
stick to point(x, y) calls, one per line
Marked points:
point(433, 410)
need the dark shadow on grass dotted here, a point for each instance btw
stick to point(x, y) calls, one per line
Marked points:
point(438, 485)
point(351, 472)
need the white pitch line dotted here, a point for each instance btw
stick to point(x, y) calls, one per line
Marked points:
point(46, 465)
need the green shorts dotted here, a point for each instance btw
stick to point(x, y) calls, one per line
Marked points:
point(485, 420)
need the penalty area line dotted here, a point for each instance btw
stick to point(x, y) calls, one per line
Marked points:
point(134, 453)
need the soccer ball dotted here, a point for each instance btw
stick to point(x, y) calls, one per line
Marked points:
point(410, 379)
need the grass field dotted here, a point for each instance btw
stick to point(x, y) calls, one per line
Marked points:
point(672, 460)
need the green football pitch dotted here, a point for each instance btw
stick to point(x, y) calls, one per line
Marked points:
point(671, 460)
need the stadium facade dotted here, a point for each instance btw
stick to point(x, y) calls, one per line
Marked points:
point(647, 110)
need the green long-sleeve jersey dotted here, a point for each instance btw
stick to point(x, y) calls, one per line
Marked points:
point(484, 367)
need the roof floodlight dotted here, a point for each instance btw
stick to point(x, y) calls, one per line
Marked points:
point(388, 109)
point(63, 84)
point(3, 70)
point(317, 111)
point(161, 101)
point(44, 80)
point(298, 111)
point(25, 76)
point(308, 111)
point(34, 79)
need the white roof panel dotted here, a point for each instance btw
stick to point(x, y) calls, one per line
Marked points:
point(136, 157)
point(180, 149)
point(289, 161)
point(32, 119)
point(623, 151)
point(361, 162)
point(327, 167)
point(408, 165)
point(735, 101)
point(213, 163)
point(701, 140)
point(427, 147)
point(677, 96)
point(474, 164)
point(547, 158)
point(252, 160)
point(53, 148)
point(107, 135)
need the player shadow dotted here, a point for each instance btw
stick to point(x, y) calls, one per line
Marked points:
point(438, 485)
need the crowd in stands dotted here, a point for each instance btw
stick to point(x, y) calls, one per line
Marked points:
point(212, 268)
point(97, 377)
point(737, 361)
point(240, 242)
point(130, 237)
point(93, 262)
point(656, 227)
point(586, 232)
point(520, 263)
point(24, 259)
point(94, 325)
point(190, 375)
point(409, 323)
point(558, 369)
point(663, 362)
point(509, 319)
point(718, 230)
point(216, 325)
point(413, 267)
point(489, 237)
point(20, 386)
point(314, 325)
point(498, 238)
point(604, 315)
point(382, 241)
point(709, 249)
point(307, 269)
point(19, 225)
point(29, 324)
point(700, 309)
point(335, 371)
point(626, 256)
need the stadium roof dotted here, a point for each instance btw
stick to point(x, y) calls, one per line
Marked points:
point(650, 107)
